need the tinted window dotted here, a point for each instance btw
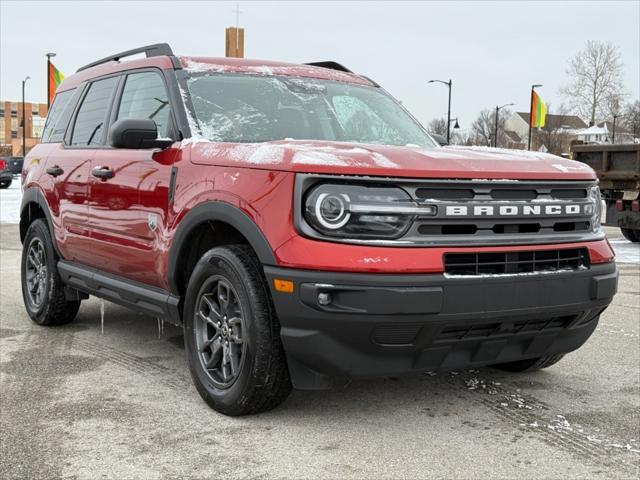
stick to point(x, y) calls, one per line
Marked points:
point(89, 126)
point(58, 116)
point(144, 96)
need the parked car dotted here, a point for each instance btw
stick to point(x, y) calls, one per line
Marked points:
point(6, 175)
point(303, 228)
point(15, 163)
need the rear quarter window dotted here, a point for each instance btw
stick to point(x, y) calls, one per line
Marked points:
point(59, 115)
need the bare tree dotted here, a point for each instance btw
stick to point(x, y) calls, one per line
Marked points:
point(595, 85)
point(483, 127)
point(438, 126)
point(555, 136)
point(631, 118)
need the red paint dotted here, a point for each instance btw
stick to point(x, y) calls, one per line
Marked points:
point(106, 223)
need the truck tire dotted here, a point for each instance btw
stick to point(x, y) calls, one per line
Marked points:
point(5, 183)
point(42, 288)
point(631, 234)
point(530, 365)
point(232, 334)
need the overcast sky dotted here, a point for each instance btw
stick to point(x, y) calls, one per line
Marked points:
point(493, 51)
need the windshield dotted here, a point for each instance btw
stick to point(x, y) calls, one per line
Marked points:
point(252, 108)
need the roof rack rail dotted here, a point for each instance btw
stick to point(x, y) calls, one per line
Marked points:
point(330, 64)
point(155, 50)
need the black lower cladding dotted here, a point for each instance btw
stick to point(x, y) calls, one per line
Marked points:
point(342, 325)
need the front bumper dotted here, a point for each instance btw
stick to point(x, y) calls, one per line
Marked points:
point(380, 324)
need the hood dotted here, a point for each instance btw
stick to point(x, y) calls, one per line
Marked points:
point(342, 158)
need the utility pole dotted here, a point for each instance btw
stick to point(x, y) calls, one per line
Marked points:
point(24, 121)
point(613, 134)
point(533, 87)
point(448, 84)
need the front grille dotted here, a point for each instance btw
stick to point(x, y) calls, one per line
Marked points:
point(484, 330)
point(501, 263)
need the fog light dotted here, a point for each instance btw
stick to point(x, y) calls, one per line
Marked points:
point(324, 298)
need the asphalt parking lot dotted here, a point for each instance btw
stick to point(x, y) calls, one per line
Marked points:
point(115, 401)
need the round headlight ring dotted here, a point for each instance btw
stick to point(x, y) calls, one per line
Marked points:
point(332, 210)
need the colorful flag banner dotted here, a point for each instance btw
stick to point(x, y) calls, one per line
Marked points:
point(538, 111)
point(55, 79)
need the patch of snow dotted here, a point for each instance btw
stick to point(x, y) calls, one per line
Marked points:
point(570, 168)
point(10, 201)
point(318, 158)
point(368, 260)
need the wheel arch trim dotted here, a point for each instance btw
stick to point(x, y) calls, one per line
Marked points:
point(34, 195)
point(221, 212)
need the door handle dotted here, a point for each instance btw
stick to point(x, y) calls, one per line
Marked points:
point(102, 172)
point(55, 171)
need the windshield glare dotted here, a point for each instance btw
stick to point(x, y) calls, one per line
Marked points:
point(252, 108)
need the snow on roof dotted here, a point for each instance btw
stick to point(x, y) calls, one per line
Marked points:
point(594, 130)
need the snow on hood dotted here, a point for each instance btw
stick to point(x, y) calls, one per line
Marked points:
point(343, 158)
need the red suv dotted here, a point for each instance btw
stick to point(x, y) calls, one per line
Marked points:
point(303, 227)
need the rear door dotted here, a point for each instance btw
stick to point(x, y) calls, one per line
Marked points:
point(128, 206)
point(70, 165)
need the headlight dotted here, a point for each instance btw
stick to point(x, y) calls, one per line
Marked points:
point(596, 217)
point(359, 212)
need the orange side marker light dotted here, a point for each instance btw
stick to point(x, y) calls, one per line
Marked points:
point(284, 286)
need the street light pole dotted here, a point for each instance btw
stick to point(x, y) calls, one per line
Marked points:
point(24, 121)
point(49, 55)
point(533, 87)
point(448, 84)
point(495, 130)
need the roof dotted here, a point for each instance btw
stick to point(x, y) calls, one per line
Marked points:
point(237, 65)
point(268, 67)
point(558, 121)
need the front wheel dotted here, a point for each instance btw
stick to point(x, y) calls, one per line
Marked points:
point(232, 335)
point(630, 234)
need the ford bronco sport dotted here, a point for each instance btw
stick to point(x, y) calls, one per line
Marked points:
point(303, 228)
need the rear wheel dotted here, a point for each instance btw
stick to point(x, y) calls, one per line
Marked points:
point(5, 183)
point(530, 365)
point(42, 288)
point(232, 335)
point(633, 235)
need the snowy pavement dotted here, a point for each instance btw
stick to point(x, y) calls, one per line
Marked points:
point(82, 402)
point(626, 252)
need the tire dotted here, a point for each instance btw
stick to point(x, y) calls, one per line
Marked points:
point(530, 365)
point(631, 234)
point(49, 307)
point(5, 183)
point(228, 300)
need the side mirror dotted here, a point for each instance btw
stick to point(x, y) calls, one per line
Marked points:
point(136, 133)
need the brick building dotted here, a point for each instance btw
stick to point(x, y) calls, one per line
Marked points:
point(11, 126)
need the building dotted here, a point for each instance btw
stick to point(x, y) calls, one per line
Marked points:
point(555, 137)
point(11, 126)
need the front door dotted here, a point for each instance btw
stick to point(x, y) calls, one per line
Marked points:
point(129, 189)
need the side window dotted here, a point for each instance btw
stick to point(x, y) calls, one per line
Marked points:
point(144, 96)
point(58, 117)
point(89, 126)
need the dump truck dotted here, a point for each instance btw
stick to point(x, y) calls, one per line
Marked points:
point(618, 169)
